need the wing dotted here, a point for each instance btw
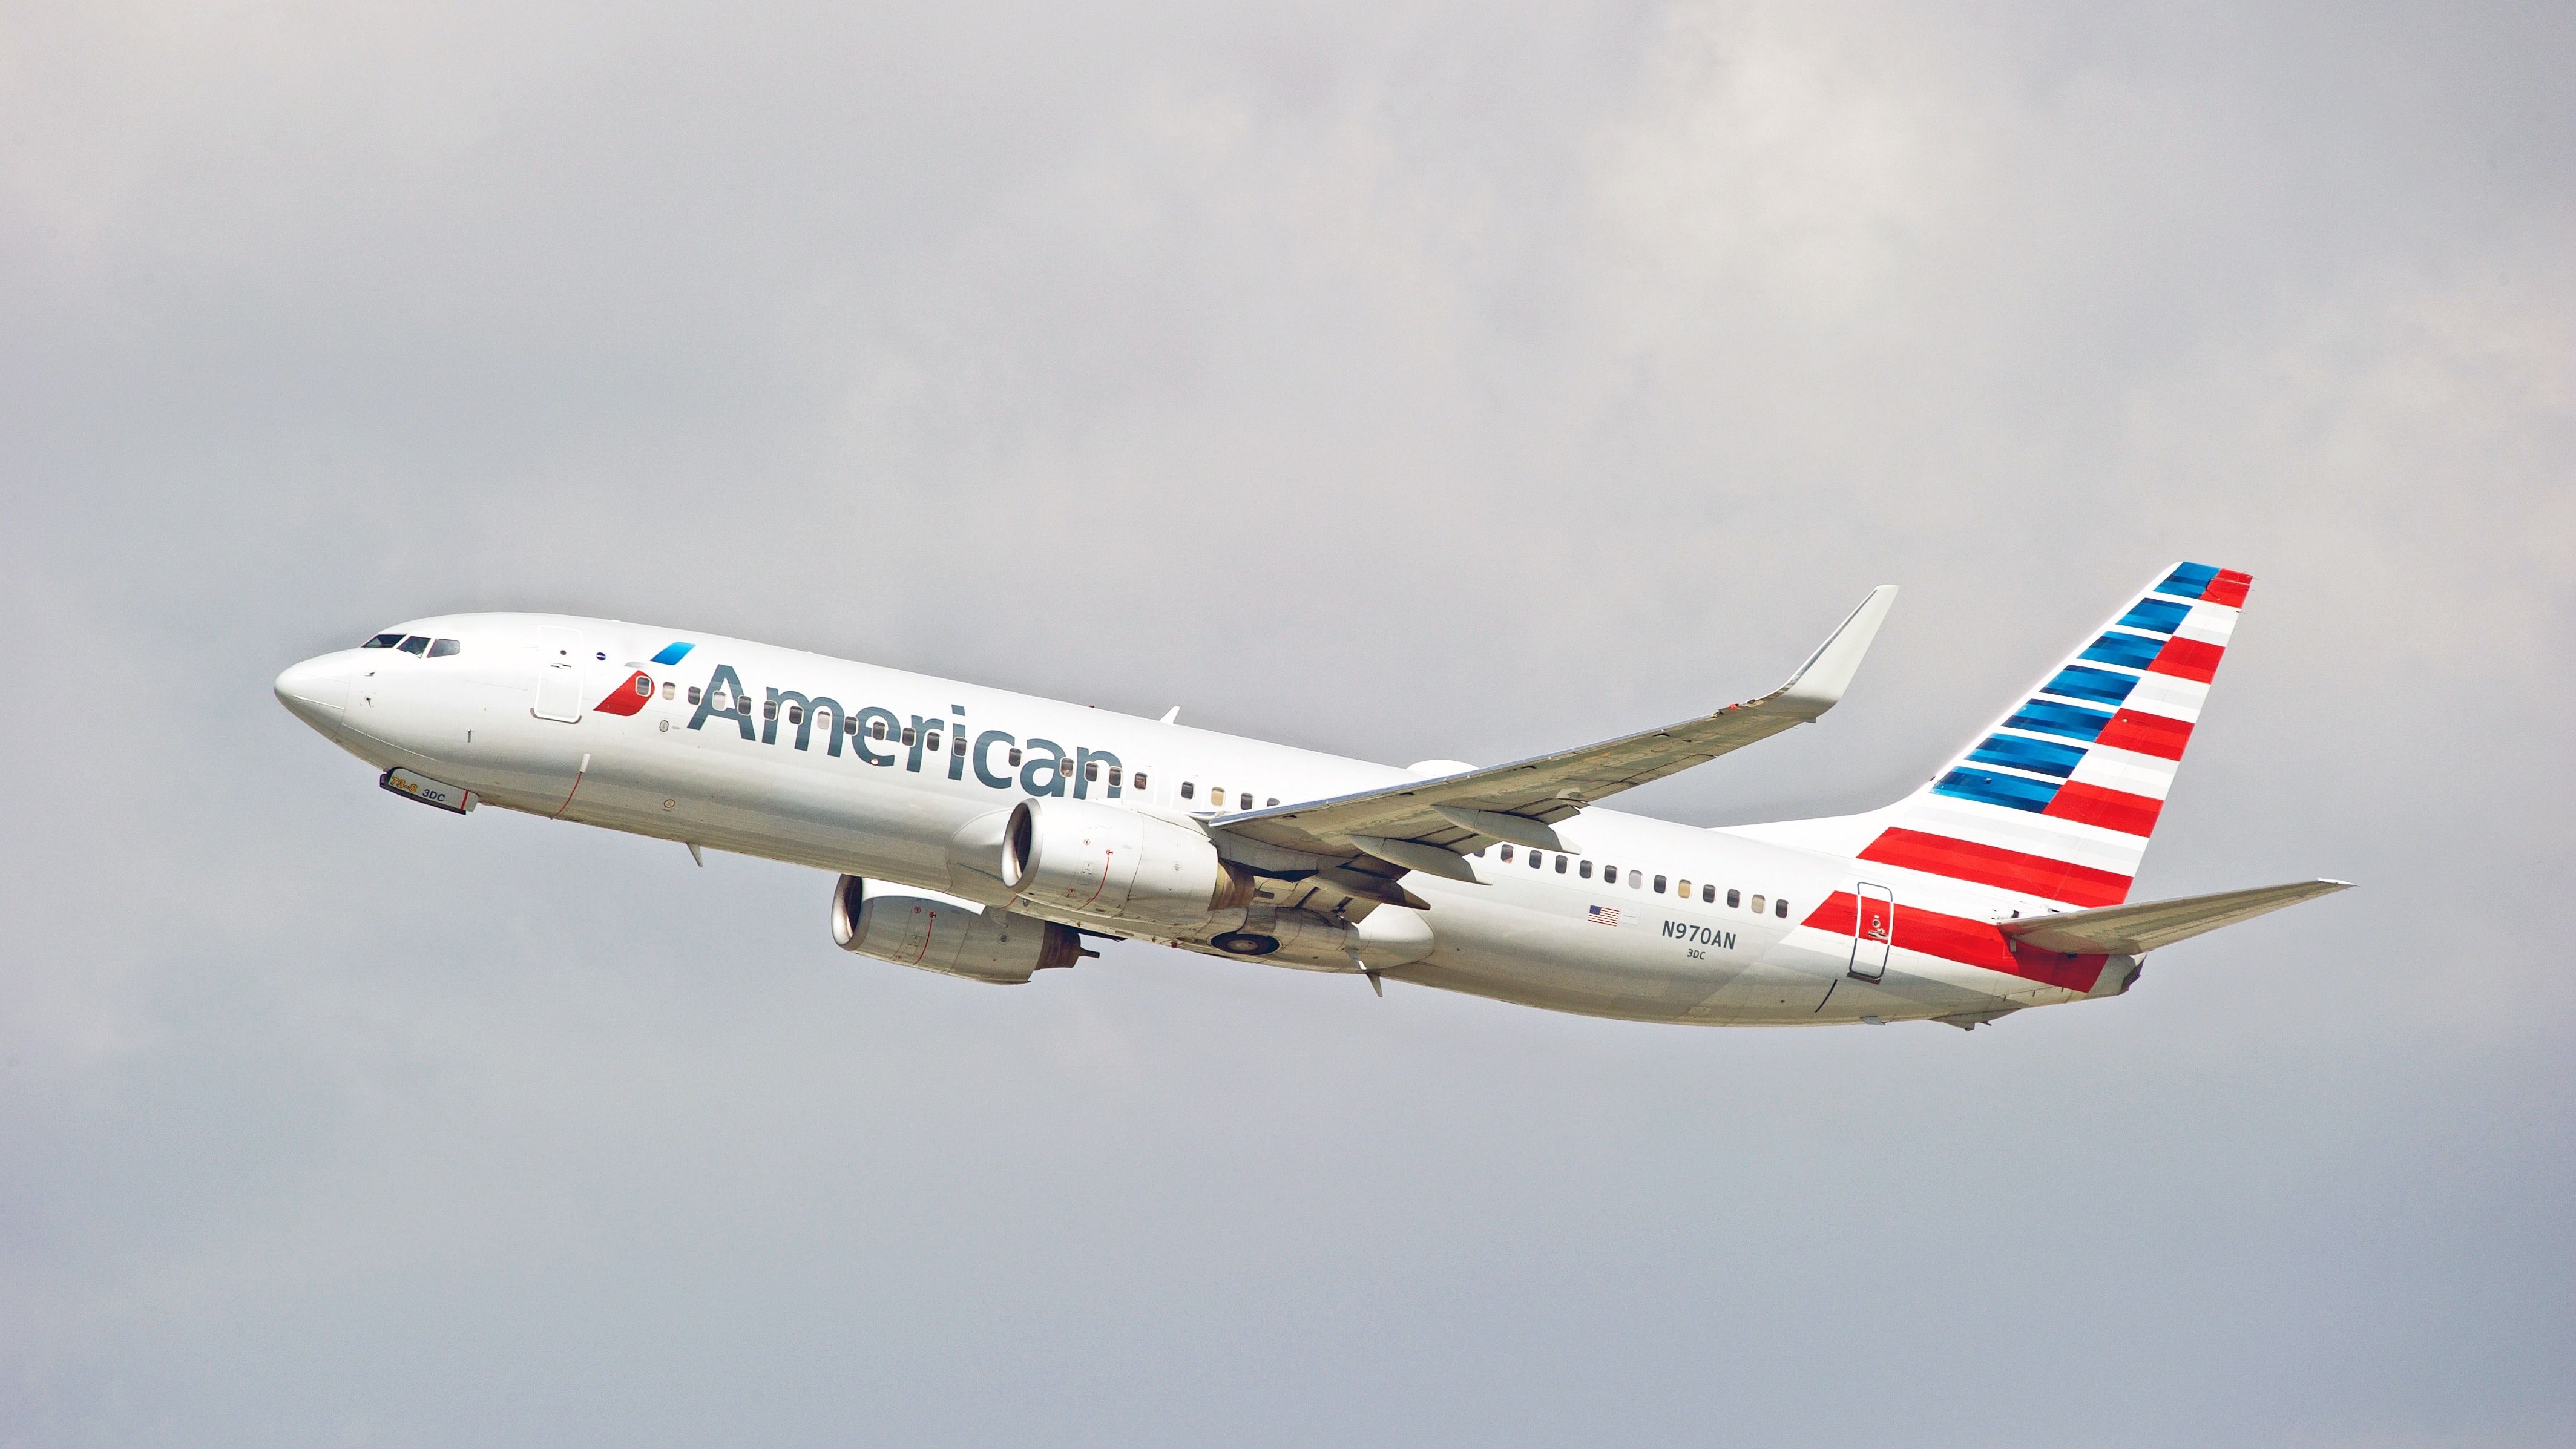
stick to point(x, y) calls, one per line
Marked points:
point(1425, 824)
point(2136, 930)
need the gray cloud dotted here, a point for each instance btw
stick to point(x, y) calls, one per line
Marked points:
point(1404, 380)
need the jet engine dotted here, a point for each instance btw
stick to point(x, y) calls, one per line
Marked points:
point(1090, 859)
point(949, 937)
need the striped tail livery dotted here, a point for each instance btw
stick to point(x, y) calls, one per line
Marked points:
point(2057, 799)
point(2012, 866)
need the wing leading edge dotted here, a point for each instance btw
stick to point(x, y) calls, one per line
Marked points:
point(1426, 824)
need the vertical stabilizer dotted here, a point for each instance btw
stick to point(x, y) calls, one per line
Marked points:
point(2058, 798)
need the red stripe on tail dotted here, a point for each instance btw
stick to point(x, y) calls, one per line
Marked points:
point(2188, 659)
point(2145, 734)
point(2228, 588)
point(2110, 809)
point(2037, 875)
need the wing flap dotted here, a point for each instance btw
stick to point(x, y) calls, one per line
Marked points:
point(2134, 930)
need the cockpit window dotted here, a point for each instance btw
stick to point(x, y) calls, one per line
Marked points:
point(382, 641)
point(413, 645)
point(441, 648)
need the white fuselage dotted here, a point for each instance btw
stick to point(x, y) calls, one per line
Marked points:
point(478, 719)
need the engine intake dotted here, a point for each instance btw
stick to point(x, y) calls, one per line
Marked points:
point(1002, 947)
point(1090, 859)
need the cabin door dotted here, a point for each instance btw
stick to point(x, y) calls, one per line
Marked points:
point(558, 674)
point(1873, 930)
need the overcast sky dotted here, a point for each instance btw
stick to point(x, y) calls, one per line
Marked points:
point(1408, 380)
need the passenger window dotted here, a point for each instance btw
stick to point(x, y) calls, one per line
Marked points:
point(1780, 908)
point(1636, 879)
point(907, 734)
point(1708, 895)
point(1735, 900)
point(1189, 789)
point(382, 641)
point(850, 727)
point(769, 710)
point(1507, 855)
point(795, 714)
point(670, 691)
point(1757, 905)
point(413, 645)
point(742, 704)
point(1585, 870)
point(693, 694)
point(876, 730)
point(1015, 757)
point(1216, 796)
point(1560, 865)
point(930, 742)
point(441, 648)
point(1113, 776)
point(1140, 778)
point(1659, 885)
point(1273, 801)
point(1537, 858)
point(1091, 771)
point(1683, 890)
point(957, 743)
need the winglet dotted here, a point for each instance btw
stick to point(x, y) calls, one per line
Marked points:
point(1819, 683)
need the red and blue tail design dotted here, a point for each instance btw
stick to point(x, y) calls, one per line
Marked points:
point(2058, 798)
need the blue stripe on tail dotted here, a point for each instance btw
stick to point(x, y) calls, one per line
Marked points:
point(2188, 581)
point(2008, 790)
point(2040, 757)
point(2130, 651)
point(2048, 717)
point(2099, 685)
point(2160, 616)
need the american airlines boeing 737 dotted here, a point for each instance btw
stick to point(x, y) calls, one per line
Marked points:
point(985, 834)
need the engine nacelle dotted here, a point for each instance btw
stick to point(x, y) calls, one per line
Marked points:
point(944, 936)
point(1090, 859)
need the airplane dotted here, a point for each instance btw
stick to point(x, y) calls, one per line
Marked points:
point(987, 835)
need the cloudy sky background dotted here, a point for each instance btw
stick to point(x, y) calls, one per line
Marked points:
point(1407, 380)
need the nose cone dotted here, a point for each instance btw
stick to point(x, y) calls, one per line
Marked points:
point(317, 692)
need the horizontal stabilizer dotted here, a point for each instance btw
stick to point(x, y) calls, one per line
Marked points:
point(2135, 930)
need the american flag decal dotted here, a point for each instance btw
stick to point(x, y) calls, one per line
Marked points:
point(1604, 916)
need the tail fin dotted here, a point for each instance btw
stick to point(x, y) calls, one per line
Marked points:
point(2058, 798)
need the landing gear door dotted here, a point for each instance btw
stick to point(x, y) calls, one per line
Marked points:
point(558, 674)
point(1873, 930)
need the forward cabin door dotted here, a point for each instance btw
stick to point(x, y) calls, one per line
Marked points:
point(1873, 930)
point(558, 674)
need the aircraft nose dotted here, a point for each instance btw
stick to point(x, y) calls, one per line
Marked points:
point(317, 692)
